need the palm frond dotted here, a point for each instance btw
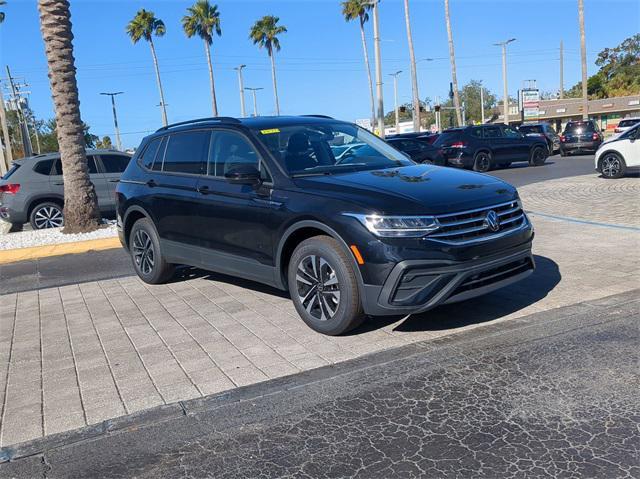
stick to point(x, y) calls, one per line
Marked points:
point(145, 25)
point(202, 19)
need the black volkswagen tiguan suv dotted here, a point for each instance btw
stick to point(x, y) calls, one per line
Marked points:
point(372, 233)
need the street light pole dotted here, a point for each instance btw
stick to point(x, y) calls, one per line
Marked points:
point(255, 100)
point(482, 103)
point(115, 116)
point(241, 83)
point(505, 101)
point(395, 98)
point(376, 50)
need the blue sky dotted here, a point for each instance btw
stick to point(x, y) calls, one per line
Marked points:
point(320, 67)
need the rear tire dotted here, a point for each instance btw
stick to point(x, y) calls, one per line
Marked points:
point(612, 166)
point(482, 162)
point(146, 255)
point(323, 286)
point(538, 156)
point(46, 215)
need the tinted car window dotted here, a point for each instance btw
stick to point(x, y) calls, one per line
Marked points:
point(149, 154)
point(579, 127)
point(114, 163)
point(186, 152)
point(626, 123)
point(229, 151)
point(511, 132)
point(492, 132)
point(91, 163)
point(43, 167)
point(476, 132)
point(531, 129)
point(447, 137)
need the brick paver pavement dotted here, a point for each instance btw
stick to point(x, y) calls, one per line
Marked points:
point(83, 353)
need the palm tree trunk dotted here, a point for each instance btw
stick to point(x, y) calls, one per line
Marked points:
point(214, 102)
point(452, 57)
point(583, 59)
point(80, 201)
point(275, 83)
point(366, 64)
point(163, 106)
point(414, 73)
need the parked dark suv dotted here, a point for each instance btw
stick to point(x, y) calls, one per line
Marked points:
point(485, 147)
point(371, 233)
point(580, 136)
point(545, 130)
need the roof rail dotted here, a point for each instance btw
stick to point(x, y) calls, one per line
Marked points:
point(319, 116)
point(219, 119)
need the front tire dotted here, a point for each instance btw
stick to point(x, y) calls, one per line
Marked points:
point(612, 166)
point(147, 258)
point(538, 156)
point(482, 162)
point(46, 215)
point(323, 286)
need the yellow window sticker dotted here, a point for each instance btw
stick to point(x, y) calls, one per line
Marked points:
point(270, 132)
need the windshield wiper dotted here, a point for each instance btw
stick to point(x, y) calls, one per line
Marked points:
point(326, 169)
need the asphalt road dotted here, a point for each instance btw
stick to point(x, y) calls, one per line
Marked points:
point(71, 269)
point(550, 395)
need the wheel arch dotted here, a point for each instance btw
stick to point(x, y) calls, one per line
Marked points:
point(36, 200)
point(299, 232)
point(133, 214)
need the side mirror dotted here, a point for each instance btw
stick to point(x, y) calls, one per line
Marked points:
point(243, 175)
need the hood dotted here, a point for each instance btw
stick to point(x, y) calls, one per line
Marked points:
point(416, 189)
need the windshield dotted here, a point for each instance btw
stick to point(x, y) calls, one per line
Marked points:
point(329, 148)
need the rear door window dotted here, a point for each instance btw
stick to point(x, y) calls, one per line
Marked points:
point(91, 163)
point(492, 132)
point(511, 132)
point(114, 163)
point(186, 152)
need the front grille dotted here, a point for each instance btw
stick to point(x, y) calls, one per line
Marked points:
point(494, 275)
point(471, 226)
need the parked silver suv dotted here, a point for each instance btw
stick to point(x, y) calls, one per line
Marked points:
point(32, 190)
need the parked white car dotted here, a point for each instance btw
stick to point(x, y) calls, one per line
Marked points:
point(626, 123)
point(617, 155)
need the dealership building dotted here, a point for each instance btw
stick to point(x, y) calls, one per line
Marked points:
point(606, 112)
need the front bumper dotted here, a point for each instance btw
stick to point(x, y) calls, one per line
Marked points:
point(415, 286)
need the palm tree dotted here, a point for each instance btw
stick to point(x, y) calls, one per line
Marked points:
point(264, 33)
point(414, 73)
point(146, 25)
point(203, 19)
point(452, 57)
point(352, 9)
point(80, 201)
point(583, 59)
point(2, 3)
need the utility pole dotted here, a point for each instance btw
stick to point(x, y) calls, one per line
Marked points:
point(464, 113)
point(583, 60)
point(255, 100)
point(241, 84)
point(8, 155)
point(24, 128)
point(395, 98)
point(115, 116)
point(505, 100)
point(561, 70)
point(481, 103)
point(437, 109)
point(376, 50)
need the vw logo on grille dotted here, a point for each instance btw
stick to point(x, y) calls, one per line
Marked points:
point(492, 221)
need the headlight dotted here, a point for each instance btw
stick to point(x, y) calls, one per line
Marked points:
point(398, 226)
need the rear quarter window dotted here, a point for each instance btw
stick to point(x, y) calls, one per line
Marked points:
point(43, 167)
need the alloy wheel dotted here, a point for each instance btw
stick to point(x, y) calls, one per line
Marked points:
point(143, 252)
point(318, 287)
point(611, 166)
point(48, 217)
point(483, 162)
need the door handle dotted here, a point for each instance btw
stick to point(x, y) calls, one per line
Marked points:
point(114, 181)
point(203, 190)
point(59, 183)
point(151, 183)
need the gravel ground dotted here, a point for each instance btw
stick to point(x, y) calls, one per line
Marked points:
point(27, 239)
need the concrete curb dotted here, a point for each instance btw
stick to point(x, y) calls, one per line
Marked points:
point(45, 251)
point(160, 414)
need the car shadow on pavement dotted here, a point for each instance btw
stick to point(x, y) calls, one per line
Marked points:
point(478, 310)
